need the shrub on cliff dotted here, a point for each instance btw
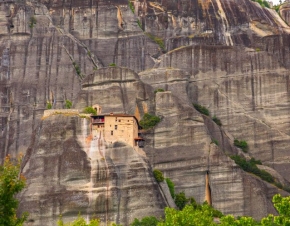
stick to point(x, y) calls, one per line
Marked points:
point(48, 105)
point(68, 104)
point(148, 121)
point(241, 144)
point(217, 120)
point(251, 167)
point(170, 185)
point(32, 21)
point(158, 175)
point(11, 183)
point(201, 109)
point(158, 90)
point(90, 110)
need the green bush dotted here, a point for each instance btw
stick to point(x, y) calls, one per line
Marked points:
point(32, 21)
point(201, 109)
point(217, 120)
point(146, 221)
point(241, 144)
point(78, 70)
point(170, 185)
point(112, 65)
point(148, 121)
point(180, 200)
point(158, 175)
point(68, 104)
point(215, 142)
point(90, 110)
point(48, 105)
point(158, 90)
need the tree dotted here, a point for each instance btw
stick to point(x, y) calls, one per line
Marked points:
point(11, 183)
point(188, 216)
point(282, 205)
point(80, 221)
point(146, 221)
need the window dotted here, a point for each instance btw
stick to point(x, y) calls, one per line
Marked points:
point(119, 120)
point(112, 133)
point(116, 127)
point(116, 119)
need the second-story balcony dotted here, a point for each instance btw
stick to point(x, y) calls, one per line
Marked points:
point(98, 120)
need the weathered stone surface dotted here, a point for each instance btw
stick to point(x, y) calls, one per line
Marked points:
point(230, 56)
point(284, 12)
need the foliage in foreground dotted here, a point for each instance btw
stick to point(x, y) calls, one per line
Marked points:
point(80, 221)
point(149, 121)
point(203, 215)
point(11, 183)
point(146, 221)
point(194, 214)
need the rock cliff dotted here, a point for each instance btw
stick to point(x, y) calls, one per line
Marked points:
point(230, 56)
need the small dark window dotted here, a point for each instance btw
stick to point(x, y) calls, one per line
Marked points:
point(116, 127)
point(119, 120)
point(116, 119)
point(112, 133)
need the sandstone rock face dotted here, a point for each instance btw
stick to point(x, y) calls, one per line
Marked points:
point(284, 11)
point(69, 172)
point(230, 56)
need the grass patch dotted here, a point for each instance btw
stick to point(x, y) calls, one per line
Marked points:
point(131, 6)
point(112, 65)
point(157, 40)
